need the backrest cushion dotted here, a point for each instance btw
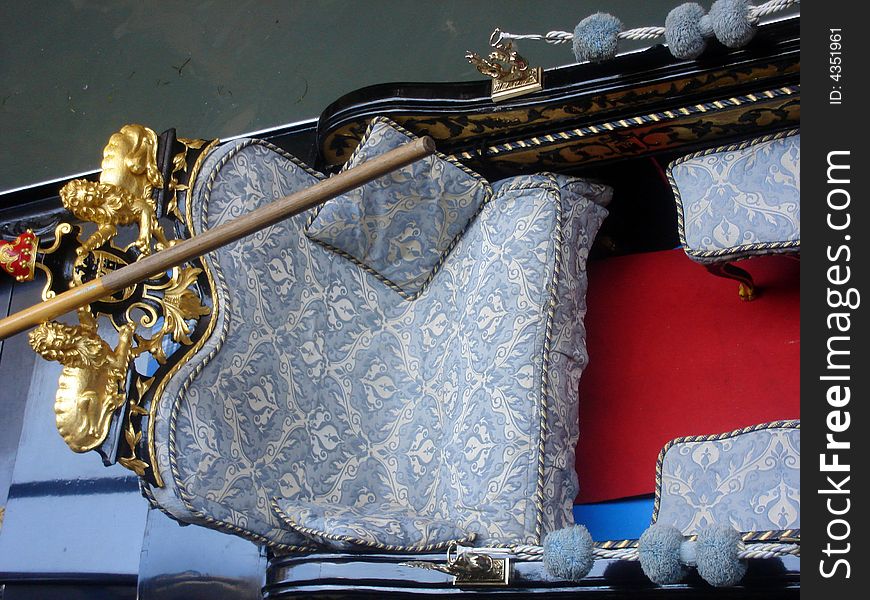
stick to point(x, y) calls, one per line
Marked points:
point(740, 200)
point(748, 479)
point(402, 225)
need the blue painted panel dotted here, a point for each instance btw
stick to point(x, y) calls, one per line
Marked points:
point(617, 520)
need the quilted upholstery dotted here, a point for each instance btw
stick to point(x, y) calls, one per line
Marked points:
point(320, 383)
point(749, 479)
point(741, 200)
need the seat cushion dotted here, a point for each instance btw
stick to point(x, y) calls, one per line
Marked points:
point(748, 479)
point(319, 383)
point(741, 200)
point(402, 225)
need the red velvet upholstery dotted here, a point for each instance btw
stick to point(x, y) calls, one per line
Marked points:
point(673, 351)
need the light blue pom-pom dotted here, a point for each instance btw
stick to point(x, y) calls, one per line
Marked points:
point(682, 32)
point(705, 26)
point(730, 22)
point(568, 553)
point(716, 556)
point(595, 37)
point(659, 552)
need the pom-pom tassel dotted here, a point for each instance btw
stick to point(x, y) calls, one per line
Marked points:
point(568, 553)
point(716, 556)
point(683, 31)
point(659, 552)
point(730, 22)
point(595, 37)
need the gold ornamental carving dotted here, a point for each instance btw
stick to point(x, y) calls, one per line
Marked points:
point(92, 383)
point(99, 382)
point(123, 196)
point(510, 73)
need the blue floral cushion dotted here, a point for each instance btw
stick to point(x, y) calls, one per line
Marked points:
point(383, 526)
point(402, 225)
point(319, 383)
point(741, 200)
point(748, 479)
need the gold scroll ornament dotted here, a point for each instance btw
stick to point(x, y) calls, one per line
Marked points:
point(165, 284)
point(94, 381)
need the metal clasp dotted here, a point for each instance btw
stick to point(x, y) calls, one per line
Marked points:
point(470, 568)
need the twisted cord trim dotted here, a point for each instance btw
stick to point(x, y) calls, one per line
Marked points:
point(525, 552)
point(642, 33)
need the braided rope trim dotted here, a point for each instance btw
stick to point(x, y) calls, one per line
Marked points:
point(744, 552)
point(546, 398)
point(628, 123)
point(317, 533)
point(446, 252)
point(148, 494)
point(754, 15)
point(735, 252)
point(784, 424)
point(641, 33)
point(753, 544)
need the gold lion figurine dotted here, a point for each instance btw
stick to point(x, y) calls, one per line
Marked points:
point(92, 384)
point(123, 194)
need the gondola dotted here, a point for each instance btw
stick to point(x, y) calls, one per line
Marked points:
point(688, 406)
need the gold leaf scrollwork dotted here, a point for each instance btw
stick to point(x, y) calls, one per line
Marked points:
point(93, 385)
point(133, 436)
point(179, 165)
point(179, 304)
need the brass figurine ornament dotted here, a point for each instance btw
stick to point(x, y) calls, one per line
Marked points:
point(511, 74)
point(91, 386)
point(123, 195)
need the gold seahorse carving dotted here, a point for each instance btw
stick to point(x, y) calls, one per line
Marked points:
point(123, 194)
point(92, 383)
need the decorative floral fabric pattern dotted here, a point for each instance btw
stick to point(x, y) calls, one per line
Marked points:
point(740, 200)
point(403, 224)
point(381, 526)
point(750, 481)
point(320, 384)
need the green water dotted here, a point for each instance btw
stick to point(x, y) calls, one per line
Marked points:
point(73, 71)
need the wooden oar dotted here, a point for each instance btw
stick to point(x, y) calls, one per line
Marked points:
point(212, 239)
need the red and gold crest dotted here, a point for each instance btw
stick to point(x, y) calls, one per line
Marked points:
point(18, 257)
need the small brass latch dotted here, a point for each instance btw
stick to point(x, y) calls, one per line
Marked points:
point(510, 72)
point(470, 568)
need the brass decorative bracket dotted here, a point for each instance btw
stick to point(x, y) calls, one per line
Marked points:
point(470, 568)
point(510, 72)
